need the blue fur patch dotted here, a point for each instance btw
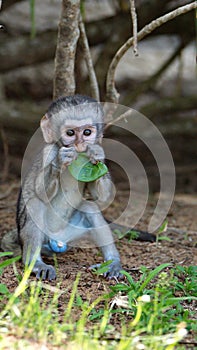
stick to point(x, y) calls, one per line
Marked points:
point(57, 246)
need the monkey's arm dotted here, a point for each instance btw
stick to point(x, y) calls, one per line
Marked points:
point(102, 190)
point(47, 180)
point(47, 183)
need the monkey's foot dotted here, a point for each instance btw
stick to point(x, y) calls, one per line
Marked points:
point(113, 270)
point(44, 271)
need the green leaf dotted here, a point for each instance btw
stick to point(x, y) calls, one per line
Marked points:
point(163, 227)
point(3, 289)
point(129, 278)
point(5, 254)
point(32, 15)
point(164, 238)
point(83, 170)
point(9, 261)
point(102, 268)
point(152, 274)
point(132, 234)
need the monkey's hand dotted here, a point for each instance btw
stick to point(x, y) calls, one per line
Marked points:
point(44, 271)
point(67, 155)
point(95, 153)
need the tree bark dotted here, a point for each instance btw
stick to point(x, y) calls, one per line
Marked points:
point(68, 34)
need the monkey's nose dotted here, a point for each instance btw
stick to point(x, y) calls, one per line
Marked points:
point(80, 147)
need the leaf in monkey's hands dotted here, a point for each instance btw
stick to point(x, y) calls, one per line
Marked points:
point(83, 170)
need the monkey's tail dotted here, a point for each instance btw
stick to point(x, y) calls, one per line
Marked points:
point(137, 235)
point(10, 243)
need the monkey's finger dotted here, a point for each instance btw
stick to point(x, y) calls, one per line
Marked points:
point(114, 271)
point(113, 275)
point(46, 273)
point(95, 159)
point(67, 154)
point(95, 153)
point(94, 267)
point(41, 275)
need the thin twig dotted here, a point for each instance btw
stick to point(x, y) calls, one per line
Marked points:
point(120, 117)
point(88, 59)
point(134, 21)
point(112, 94)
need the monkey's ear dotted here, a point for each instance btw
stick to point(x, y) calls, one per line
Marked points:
point(46, 128)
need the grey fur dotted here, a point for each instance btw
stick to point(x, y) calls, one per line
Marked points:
point(42, 207)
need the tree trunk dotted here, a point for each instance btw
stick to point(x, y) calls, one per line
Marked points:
point(68, 34)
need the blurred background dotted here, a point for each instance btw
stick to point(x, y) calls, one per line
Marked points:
point(160, 82)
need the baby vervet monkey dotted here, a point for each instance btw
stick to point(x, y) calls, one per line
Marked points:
point(52, 212)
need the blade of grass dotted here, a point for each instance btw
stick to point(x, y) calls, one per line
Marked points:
point(152, 274)
point(32, 16)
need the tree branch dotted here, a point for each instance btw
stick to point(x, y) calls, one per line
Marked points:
point(134, 21)
point(88, 59)
point(112, 94)
point(68, 34)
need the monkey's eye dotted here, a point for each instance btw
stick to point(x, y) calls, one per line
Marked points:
point(70, 132)
point(87, 132)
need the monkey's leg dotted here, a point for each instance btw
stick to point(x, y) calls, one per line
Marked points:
point(32, 239)
point(102, 235)
point(10, 243)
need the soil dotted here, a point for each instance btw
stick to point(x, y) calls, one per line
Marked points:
point(181, 250)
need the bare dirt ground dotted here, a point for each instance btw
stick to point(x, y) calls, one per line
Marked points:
point(181, 250)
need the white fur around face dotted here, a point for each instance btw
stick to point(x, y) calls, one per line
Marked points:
point(79, 140)
point(77, 123)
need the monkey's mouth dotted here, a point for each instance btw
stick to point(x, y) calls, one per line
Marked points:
point(81, 147)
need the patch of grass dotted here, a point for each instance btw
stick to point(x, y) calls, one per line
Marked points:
point(185, 279)
point(134, 234)
point(4, 292)
point(162, 229)
point(152, 316)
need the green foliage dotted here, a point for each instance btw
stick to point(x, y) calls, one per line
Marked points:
point(4, 292)
point(185, 279)
point(162, 229)
point(151, 303)
point(135, 289)
point(83, 170)
point(100, 269)
point(152, 316)
point(132, 234)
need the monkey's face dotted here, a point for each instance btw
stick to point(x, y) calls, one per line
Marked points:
point(79, 134)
